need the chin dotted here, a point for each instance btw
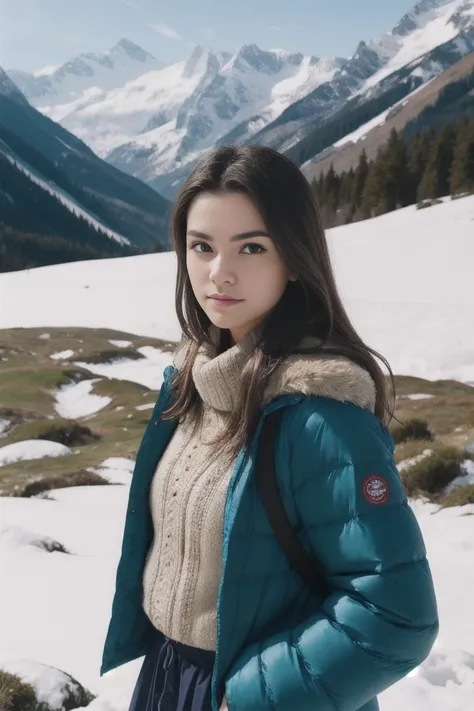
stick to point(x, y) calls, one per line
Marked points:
point(222, 322)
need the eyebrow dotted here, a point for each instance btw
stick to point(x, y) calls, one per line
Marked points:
point(235, 238)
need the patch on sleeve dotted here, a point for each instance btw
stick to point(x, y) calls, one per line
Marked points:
point(376, 489)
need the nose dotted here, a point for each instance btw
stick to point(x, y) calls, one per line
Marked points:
point(221, 271)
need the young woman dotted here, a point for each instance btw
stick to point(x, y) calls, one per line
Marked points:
point(204, 590)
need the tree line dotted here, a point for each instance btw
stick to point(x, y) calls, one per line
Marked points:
point(429, 166)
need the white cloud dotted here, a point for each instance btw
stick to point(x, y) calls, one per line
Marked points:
point(167, 31)
point(275, 27)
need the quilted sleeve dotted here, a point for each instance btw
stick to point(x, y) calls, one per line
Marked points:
point(380, 620)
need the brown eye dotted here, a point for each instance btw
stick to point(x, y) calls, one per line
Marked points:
point(258, 246)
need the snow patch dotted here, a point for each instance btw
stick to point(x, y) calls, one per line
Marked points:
point(14, 539)
point(416, 396)
point(148, 406)
point(147, 371)
point(31, 449)
point(62, 355)
point(121, 344)
point(75, 400)
point(116, 470)
point(407, 463)
point(52, 686)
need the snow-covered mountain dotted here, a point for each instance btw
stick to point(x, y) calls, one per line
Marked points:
point(172, 113)
point(427, 40)
point(250, 90)
point(140, 106)
point(156, 125)
point(430, 24)
point(83, 79)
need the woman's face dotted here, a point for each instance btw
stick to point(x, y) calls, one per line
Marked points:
point(230, 252)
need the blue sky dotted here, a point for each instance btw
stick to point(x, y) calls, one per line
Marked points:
point(36, 33)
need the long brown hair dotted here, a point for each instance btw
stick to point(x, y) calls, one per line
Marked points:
point(310, 306)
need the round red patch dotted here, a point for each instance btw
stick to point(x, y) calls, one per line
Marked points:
point(376, 489)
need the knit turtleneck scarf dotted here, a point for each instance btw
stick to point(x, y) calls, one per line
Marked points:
point(217, 377)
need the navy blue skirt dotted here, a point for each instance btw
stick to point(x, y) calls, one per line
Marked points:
point(174, 677)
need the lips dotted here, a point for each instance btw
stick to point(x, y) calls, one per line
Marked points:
point(224, 298)
point(224, 302)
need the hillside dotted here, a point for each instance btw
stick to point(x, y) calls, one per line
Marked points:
point(448, 95)
point(64, 166)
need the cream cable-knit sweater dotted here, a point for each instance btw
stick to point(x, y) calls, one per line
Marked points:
point(188, 492)
point(187, 499)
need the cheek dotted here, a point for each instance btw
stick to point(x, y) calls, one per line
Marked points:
point(268, 284)
point(195, 269)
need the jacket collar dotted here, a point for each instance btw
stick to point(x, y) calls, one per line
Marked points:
point(318, 374)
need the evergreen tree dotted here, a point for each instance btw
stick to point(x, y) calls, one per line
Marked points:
point(360, 178)
point(428, 187)
point(331, 187)
point(462, 171)
point(399, 175)
point(418, 156)
point(347, 187)
point(321, 184)
point(395, 193)
point(435, 180)
point(444, 153)
point(373, 196)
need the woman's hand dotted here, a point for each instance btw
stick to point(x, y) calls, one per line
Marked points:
point(223, 705)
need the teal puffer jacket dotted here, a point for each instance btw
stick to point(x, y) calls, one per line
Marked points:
point(279, 646)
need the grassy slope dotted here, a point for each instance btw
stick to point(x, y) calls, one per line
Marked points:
point(29, 379)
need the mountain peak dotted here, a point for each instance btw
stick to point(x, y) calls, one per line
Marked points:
point(132, 49)
point(261, 60)
point(409, 21)
point(199, 60)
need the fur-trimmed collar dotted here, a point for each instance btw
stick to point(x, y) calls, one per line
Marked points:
point(323, 375)
point(319, 374)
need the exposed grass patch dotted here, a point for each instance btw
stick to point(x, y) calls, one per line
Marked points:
point(78, 478)
point(410, 449)
point(15, 694)
point(410, 430)
point(408, 385)
point(32, 388)
point(67, 432)
point(116, 442)
point(449, 414)
point(432, 474)
point(110, 356)
point(460, 496)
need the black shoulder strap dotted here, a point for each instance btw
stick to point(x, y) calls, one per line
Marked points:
point(306, 566)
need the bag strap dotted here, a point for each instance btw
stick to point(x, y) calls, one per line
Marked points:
point(305, 565)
